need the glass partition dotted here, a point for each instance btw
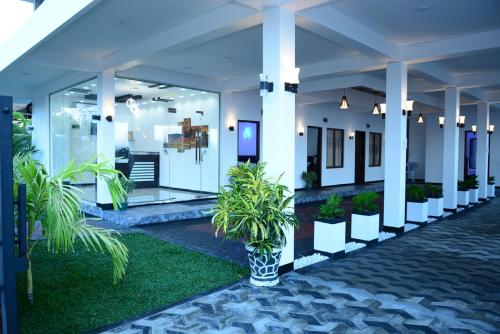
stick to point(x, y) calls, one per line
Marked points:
point(166, 140)
point(73, 134)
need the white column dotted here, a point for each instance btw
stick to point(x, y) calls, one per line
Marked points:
point(278, 119)
point(450, 149)
point(395, 147)
point(105, 129)
point(483, 120)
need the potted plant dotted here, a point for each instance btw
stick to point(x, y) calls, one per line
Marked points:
point(127, 185)
point(472, 184)
point(434, 194)
point(463, 194)
point(365, 218)
point(491, 186)
point(309, 178)
point(254, 209)
point(329, 227)
point(417, 206)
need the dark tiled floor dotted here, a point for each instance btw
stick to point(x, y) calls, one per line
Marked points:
point(199, 235)
point(443, 278)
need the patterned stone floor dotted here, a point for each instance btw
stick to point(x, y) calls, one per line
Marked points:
point(444, 278)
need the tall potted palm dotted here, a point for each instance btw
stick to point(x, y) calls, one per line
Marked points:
point(255, 210)
point(55, 204)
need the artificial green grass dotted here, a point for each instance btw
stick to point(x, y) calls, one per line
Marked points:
point(74, 292)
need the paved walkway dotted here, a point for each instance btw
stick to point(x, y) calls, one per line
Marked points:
point(444, 278)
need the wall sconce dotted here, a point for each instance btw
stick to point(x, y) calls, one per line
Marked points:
point(301, 131)
point(231, 128)
point(420, 119)
point(265, 86)
point(351, 135)
point(109, 118)
point(230, 124)
point(441, 121)
point(461, 121)
point(325, 120)
point(409, 108)
point(383, 108)
point(491, 129)
point(474, 128)
point(293, 82)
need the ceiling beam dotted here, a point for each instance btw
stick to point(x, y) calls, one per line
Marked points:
point(450, 47)
point(478, 80)
point(216, 23)
point(333, 25)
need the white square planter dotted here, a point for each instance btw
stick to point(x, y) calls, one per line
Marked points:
point(491, 190)
point(463, 197)
point(365, 227)
point(417, 212)
point(436, 207)
point(474, 196)
point(329, 236)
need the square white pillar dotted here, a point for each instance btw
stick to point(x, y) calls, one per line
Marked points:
point(450, 149)
point(278, 119)
point(395, 147)
point(483, 120)
point(105, 130)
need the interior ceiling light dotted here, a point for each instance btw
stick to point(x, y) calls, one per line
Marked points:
point(376, 109)
point(344, 105)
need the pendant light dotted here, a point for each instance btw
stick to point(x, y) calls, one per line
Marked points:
point(420, 119)
point(376, 108)
point(344, 105)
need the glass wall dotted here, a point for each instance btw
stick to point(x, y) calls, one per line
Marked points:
point(166, 140)
point(73, 135)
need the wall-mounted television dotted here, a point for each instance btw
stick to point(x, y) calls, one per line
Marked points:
point(248, 141)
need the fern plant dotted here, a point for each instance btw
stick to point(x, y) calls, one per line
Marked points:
point(332, 208)
point(254, 209)
point(365, 203)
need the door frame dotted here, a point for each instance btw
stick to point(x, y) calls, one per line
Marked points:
point(319, 169)
point(466, 167)
point(360, 152)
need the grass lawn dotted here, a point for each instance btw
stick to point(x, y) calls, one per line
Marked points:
point(74, 292)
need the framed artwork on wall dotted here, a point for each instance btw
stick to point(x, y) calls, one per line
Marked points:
point(248, 141)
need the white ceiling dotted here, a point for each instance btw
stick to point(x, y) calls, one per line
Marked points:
point(414, 21)
point(236, 52)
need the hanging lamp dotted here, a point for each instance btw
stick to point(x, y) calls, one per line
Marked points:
point(420, 119)
point(344, 105)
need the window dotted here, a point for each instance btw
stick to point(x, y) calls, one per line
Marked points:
point(375, 149)
point(335, 148)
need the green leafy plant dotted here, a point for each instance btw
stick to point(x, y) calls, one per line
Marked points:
point(491, 180)
point(415, 194)
point(309, 178)
point(55, 203)
point(463, 186)
point(433, 191)
point(254, 209)
point(127, 184)
point(21, 136)
point(332, 208)
point(365, 203)
point(472, 182)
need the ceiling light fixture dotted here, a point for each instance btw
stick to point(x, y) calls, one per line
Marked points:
point(420, 119)
point(441, 121)
point(408, 108)
point(383, 110)
point(376, 109)
point(344, 105)
point(461, 121)
point(292, 84)
point(474, 128)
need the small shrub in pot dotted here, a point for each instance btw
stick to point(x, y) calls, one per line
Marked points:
point(415, 194)
point(309, 178)
point(329, 227)
point(365, 218)
point(127, 185)
point(417, 206)
point(365, 203)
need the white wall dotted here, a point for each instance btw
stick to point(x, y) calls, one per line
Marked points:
point(416, 146)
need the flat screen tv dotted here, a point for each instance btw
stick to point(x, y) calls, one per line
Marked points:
point(248, 141)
